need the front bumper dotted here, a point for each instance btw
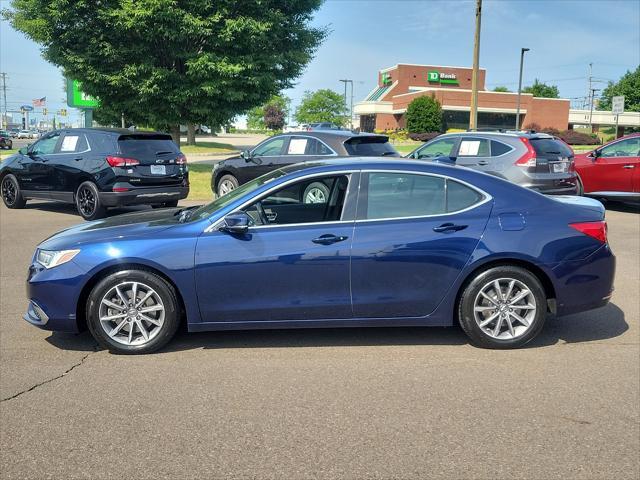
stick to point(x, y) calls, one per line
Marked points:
point(144, 196)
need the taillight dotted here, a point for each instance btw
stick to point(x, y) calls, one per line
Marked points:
point(181, 159)
point(597, 230)
point(121, 161)
point(529, 158)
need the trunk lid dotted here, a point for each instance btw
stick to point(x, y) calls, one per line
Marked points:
point(160, 160)
point(553, 156)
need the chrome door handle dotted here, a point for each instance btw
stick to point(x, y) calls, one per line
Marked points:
point(629, 166)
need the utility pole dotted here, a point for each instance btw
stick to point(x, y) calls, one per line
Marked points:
point(522, 51)
point(4, 123)
point(473, 116)
point(345, 81)
point(588, 99)
point(593, 96)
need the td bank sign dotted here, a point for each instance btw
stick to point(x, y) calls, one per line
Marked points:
point(442, 78)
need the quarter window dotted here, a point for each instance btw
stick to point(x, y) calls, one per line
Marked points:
point(270, 148)
point(460, 196)
point(499, 148)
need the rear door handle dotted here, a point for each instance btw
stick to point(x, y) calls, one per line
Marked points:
point(77, 159)
point(483, 163)
point(328, 239)
point(449, 227)
point(629, 166)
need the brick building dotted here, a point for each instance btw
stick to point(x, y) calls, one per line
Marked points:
point(385, 107)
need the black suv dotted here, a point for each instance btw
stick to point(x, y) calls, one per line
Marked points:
point(289, 148)
point(96, 168)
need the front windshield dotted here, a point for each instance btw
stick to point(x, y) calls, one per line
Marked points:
point(207, 210)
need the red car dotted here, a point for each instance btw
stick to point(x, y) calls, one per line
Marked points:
point(611, 171)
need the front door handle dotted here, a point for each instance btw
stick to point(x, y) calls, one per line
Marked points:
point(329, 239)
point(629, 166)
point(483, 163)
point(449, 227)
point(77, 159)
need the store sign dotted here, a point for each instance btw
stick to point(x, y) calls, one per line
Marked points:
point(386, 79)
point(442, 78)
point(76, 98)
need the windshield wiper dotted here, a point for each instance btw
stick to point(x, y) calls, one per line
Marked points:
point(384, 154)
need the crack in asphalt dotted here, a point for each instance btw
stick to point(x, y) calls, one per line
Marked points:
point(30, 389)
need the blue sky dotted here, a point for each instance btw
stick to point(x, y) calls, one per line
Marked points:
point(366, 36)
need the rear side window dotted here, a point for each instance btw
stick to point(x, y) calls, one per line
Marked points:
point(102, 142)
point(140, 147)
point(370, 147)
point(474, 147)
point(396, 195)
point(550, 147)
point(73, 143)
point(307, 146)
point(499, 148)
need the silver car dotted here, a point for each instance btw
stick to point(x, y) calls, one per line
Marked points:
point(533, 160)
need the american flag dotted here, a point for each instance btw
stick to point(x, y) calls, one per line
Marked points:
point(39, 102)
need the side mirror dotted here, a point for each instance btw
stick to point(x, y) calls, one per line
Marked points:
point(246, 155)
point(23, 150)
point(237, 223)
point(594, 154)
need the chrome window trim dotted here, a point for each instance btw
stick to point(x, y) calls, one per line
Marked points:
point(487, 197)
point(214, 226)
point(292, 135)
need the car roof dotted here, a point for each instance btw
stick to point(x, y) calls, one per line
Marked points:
point(360, 163)
point(113, 131)
point(333, 134)
point(508, 133)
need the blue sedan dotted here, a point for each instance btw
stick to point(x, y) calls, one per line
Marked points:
point(392, 243)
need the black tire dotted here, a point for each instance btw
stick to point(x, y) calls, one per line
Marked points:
point(225, 181)
point(467, 304)
point(579, 185)
point(318, 187)
point(11, 194)
point(167, 296)
point(88, 202)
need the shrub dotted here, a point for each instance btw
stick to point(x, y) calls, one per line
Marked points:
point(576, 138)
point(551, 131)
point(532, 126)
point(423, 137)
point(424, 114)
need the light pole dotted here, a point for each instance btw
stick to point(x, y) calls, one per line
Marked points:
point(593, 97)
point(522, 50)
point(473, 116)
point(345, 81)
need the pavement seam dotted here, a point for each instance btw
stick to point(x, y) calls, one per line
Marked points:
point(30, 389)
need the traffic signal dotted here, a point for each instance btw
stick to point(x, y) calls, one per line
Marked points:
point(63, 112)
point(44, 112)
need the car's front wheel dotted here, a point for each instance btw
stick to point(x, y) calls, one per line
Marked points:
point(11, 194)
point(88, 202)
point(502, 307)
point(133, 311)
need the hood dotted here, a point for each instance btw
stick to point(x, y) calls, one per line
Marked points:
point(117, 227)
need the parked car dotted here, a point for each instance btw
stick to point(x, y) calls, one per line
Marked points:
point(96, 168)
point(25, 134)
point(537, 161)
point(396, 243)
point(5, 140)
point(312, 127)
point(611, 171)
point(14, 132)
point(280, 150)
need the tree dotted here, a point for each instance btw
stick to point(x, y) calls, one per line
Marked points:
point(629, 86)
point(540, 89)
point(274, 117)
point(322, 106)
point(164, 63)
point(256, 116)
point(424, 115)
point(501, 89)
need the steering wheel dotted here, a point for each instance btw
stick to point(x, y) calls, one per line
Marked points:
point(620, 153)
point(262, 214)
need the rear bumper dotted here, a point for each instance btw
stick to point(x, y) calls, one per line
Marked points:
point(143, 196)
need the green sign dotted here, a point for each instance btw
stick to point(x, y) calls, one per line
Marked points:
point(76, 98)
point(386, 79)
point(442, 78)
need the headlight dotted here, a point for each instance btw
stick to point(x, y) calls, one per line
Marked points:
point(53, 258)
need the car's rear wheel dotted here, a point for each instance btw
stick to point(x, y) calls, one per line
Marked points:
point(226, 184)
point(316, 192)
point(502, 307)
point(11, 194)
point(579, 185)
point(88, 202)
point(133, 311)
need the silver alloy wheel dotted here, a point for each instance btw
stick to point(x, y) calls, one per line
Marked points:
point(131, 313)
point(225, 187)
point(315, 195)
point(504, 308)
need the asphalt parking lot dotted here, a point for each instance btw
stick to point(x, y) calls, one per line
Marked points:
point(350, 403)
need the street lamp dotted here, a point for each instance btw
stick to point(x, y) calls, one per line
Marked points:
point(345, 81)
point(522, 50)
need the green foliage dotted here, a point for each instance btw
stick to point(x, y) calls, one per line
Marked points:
point(540, 89)
point(256, 116)
point(501, 89)
point(322, 106)
point(164, 63)
point(424, 114)
point(629, 86)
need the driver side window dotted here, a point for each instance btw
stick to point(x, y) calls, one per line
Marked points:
point(319, 199)
point(624, 148)
point(46, 146)
point(439, 148)
point(270, 148)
